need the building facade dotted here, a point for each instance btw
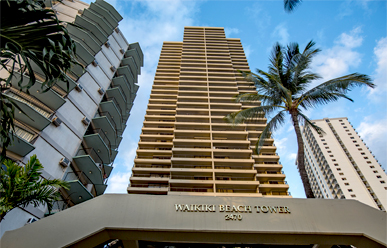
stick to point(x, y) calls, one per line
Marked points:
point(340, 165)
point(76, 128)
point(185, 147)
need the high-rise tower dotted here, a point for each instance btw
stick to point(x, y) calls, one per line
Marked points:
point(75, 129)
point(340, 165)
point(185, 146)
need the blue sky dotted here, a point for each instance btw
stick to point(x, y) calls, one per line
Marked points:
point(351, 34)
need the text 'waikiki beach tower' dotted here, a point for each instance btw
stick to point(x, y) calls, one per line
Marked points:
point(185, 147)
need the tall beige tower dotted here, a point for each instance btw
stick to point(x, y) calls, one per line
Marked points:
point(340, 165)
point(185, 146)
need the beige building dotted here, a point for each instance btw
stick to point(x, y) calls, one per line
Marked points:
point(340, 165)
point(75, 132)
point(185, 147)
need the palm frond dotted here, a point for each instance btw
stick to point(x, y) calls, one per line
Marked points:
point(271, 126)
point(334, 89)
point(307, 121)
point(290, 5)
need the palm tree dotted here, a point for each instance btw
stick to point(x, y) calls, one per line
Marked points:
point(290, 5)
point(286, 88)
point(20, 186)
point(30, 34)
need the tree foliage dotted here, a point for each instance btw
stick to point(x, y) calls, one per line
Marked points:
point(20, 186)
point(290, 5)
point(286, 88)
point(31, 37)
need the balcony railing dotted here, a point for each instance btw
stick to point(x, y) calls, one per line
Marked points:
point(109, 116)
point(101, 134)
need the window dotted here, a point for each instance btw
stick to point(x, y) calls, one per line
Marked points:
point(382, 182)
point(346, 130)
point(336, 164)
point(352, 137)
point(341, 174)
point(375, 171)
point(322, 139)
point(346, 184)
point(350, 190)
point(339, 169)
point(329, 151)
point(368, 162)
point(342, 123)
point(365, 157)
point(345, 127)
point(353, 195)
point(349, 134)
point(344, 179)
point(333, 160)
point(331, 156)
point(327, 147)
point(378, 176)
point(360, 149)
point(357, 145)
point(354, 141)
point(325, 144)
point(372, 166)
point(363, 153)
point(341, 120)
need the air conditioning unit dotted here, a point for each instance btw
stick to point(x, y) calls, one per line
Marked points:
point(107, 44)
point(113, 68)
point(101, 91)
point(85, 121)
point(56, 121)
point(31, 220)
point(64, 162)
point(94, 63)
point(117, 30)
point(79, 87)
point(122, 51)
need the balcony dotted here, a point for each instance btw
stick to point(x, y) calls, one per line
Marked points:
point(81, 189)
point(110, 8)
point(98, 140)
point(126, 89)
point(105, 13)
point(99, 35)
point(157, 189)
point(111, 106)
point(91, 164)
point(22, 143)
point(120, 97)
point(34, 116)
point(129, 61)
point(133, 53)
point(99, 22)
point(84, 38)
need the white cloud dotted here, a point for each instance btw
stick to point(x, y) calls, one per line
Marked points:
point(374, 134)
point(248, 51)
point(336, 61)
point(230, 31)
point(281, 32)
point(292, 156)
point(118, 182)
point(380, 74)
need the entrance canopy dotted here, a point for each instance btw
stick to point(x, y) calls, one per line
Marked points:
point(143, 219)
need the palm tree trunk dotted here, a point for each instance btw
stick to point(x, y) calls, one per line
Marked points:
point(300, 156)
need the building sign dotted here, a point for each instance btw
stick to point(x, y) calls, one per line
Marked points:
point(233, 212)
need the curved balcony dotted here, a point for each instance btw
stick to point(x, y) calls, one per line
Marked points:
point(98, 140)
point(22, 142)
point(50, 98)
point(105, 13)
point(83, 56)
point(137, 48)
point(118, 94)
point(111, 106)
point(85, 39)
point(34, 116)
point(125, 87)
point(129, 61)
point(134, 54)
point(94, 22)
point(111, 9)
point(81, 189)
